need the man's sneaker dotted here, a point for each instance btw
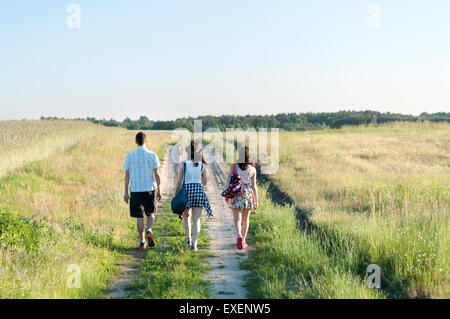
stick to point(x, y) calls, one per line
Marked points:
point(151, 241)
point(142, 246)
point(188, 241)
point(194, 247)
point(239, 242)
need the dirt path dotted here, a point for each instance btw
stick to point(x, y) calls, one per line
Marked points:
point(226, 276)
point(128, 271)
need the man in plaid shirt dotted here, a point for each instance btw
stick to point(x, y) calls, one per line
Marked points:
point(141, 168)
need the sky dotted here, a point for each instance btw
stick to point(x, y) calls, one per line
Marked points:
point(176, 58)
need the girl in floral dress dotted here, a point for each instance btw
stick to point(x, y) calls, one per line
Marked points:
point(242, 205)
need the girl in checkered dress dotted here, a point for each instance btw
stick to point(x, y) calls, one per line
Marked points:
point(195, 178)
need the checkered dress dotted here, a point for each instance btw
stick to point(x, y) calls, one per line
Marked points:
point(197, 197)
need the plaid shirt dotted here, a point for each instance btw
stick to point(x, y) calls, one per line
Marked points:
point(141, 163)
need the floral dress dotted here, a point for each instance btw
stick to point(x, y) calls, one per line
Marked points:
point(247, 199)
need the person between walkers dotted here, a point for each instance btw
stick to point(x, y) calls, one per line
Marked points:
point(241, 205)
point(141, 168)
point(195, 178)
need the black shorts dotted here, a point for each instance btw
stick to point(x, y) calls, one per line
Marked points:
point(142, 202)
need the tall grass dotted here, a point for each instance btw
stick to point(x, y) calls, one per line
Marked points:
point(22, 142)
point(289, 263)
point(386, 191)
point(67, 210)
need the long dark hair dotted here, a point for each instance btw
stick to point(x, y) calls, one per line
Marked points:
point(194, 156)
point(245, 159)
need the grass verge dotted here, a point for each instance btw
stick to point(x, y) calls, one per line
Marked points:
point(375, 195)
point(288, 263)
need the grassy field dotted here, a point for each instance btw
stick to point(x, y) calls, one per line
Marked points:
point(374, 195)
point(22, 142)
point(289, 263)
point(66, 209)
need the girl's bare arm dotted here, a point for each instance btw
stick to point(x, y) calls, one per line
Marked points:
point(204, 176)
point(255, 189)
point(179, 179)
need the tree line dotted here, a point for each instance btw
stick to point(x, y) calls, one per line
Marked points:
point(285, 121)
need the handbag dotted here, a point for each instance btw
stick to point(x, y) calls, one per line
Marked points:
point(179, 202)
point(234, 185)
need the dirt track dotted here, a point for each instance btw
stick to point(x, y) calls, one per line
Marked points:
point(226, 277)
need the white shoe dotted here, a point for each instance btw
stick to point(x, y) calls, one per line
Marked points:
point(194, 247)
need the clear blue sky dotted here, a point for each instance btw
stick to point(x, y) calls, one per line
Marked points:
point(173, 58)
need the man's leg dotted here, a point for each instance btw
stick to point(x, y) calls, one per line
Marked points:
point(150, 209)
point(151, 206)
point(140, 227)
point(149, 232)
point(137, 211)
point(150, 221)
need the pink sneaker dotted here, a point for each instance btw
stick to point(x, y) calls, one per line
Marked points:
point(244, 245)
point(239, 242)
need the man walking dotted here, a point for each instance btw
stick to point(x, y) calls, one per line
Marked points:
point(141, 167)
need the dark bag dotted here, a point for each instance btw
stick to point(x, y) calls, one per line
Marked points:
point(179, 202)
point(234, 185)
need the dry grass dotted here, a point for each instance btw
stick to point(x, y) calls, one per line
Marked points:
point(379, 195)
point(22, 142)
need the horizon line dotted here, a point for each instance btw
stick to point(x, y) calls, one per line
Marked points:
point(218, 115)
